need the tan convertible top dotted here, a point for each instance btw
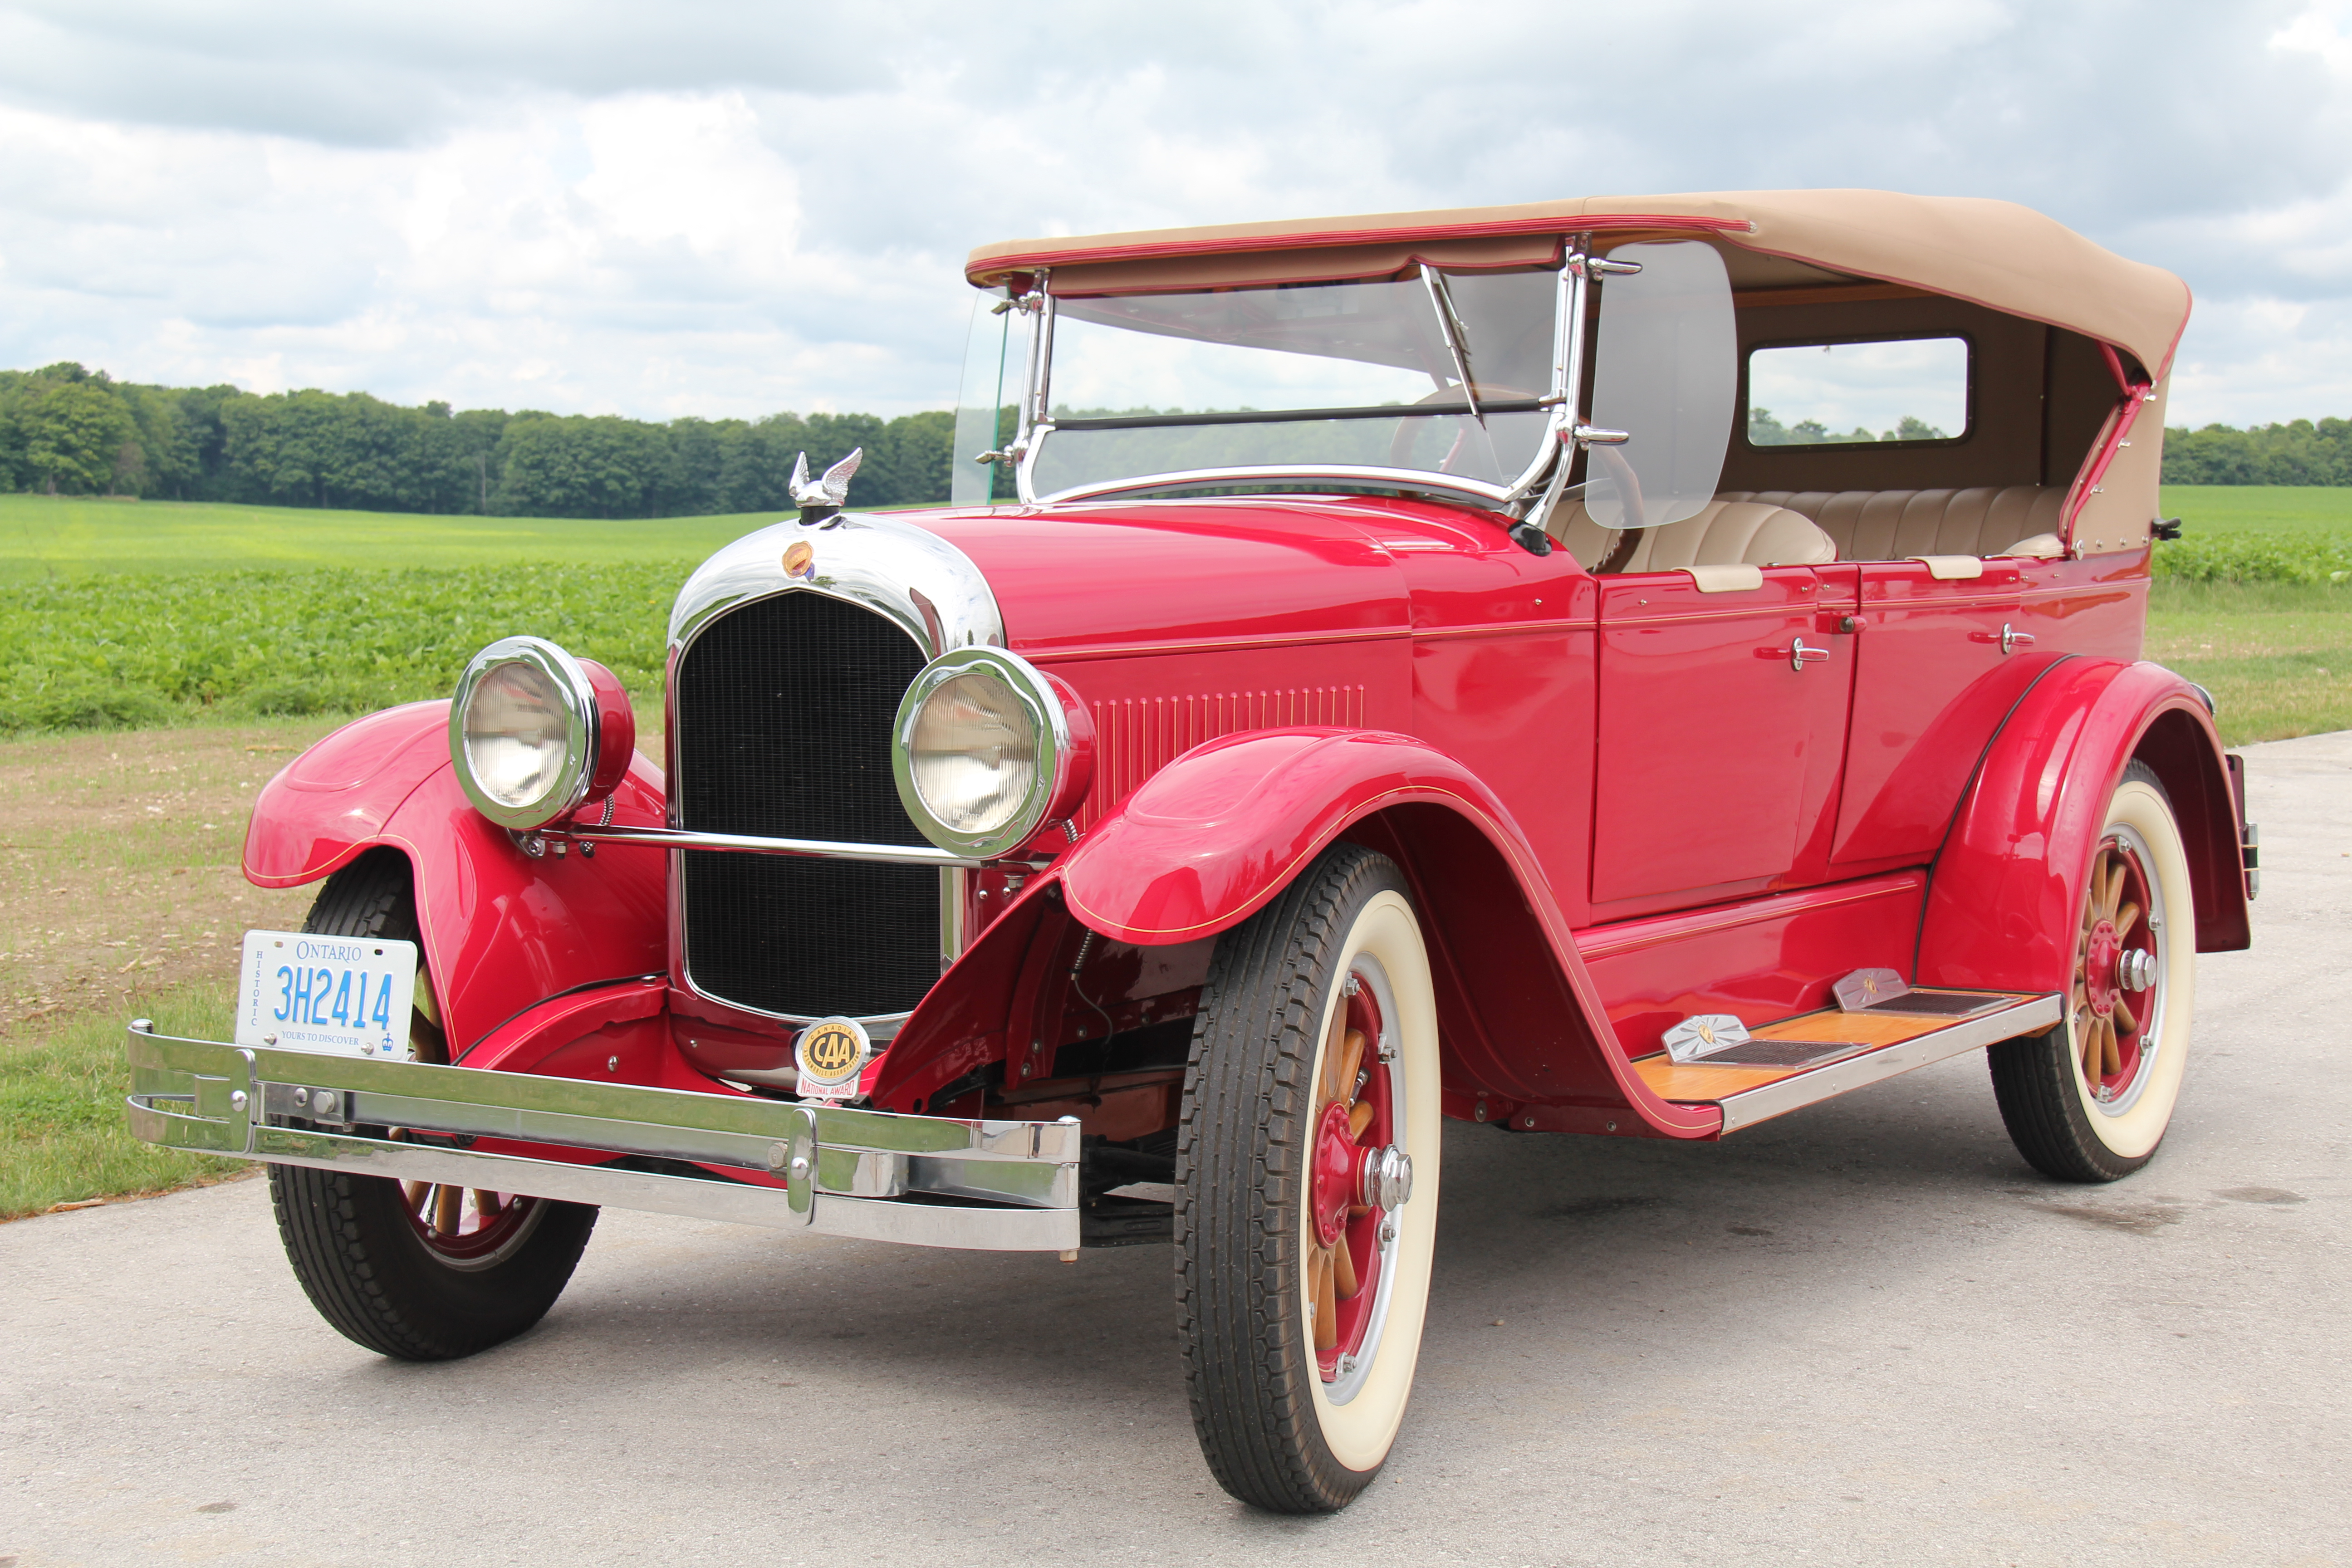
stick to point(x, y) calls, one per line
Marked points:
point(1998, 254)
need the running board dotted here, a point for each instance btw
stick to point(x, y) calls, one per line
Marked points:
point(1822, 1055)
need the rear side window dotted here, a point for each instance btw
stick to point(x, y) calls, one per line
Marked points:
point(1879, 393)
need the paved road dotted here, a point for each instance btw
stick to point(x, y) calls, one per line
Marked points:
point(1865, 1333)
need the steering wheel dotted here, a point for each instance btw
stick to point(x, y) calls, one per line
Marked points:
point(1401, 442)
point(1629, 491)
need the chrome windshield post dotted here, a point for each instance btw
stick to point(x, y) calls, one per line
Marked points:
point(1037, 398)
point(1567, 386)
point(1577, 274)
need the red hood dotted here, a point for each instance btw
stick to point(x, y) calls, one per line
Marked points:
point(1139, 574)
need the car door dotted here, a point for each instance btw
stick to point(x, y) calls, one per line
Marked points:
point(1938, 662)
point(1721, 730)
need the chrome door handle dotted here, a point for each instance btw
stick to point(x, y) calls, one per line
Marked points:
point(2011, 639)
point(1800, 656)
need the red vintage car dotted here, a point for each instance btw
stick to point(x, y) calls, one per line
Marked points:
point(1628, 667)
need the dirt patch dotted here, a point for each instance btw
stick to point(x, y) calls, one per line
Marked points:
point(119, 863)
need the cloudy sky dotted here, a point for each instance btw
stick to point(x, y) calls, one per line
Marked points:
point(724, 208)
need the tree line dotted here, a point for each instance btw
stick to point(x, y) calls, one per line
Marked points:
point(2300, 452)
point(66, 431)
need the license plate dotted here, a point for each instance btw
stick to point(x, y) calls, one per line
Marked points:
point(345, 995)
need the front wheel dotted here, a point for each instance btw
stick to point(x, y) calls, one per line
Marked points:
point(2089, 1100)
point(408, 1268)
point(1306, 1169)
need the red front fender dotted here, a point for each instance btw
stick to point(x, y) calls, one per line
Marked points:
point(502, 932)
point(1216, 835)
point(330, 803)
point(1210, 839)
point(2003, 906)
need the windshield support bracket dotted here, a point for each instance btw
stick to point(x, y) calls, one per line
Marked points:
point(1449, 322)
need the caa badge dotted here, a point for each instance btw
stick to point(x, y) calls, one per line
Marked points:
point(831, 1054)
point(800, 561)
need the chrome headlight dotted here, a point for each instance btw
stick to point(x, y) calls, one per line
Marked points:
point(987, 749)
point(535, 732)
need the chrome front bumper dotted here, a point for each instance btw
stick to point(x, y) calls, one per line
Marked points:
point(997, 1186)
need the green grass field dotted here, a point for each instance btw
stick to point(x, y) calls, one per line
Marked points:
point(62, 1136)
point(2310, 510)
point(44, 537)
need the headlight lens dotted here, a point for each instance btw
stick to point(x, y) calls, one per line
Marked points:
point(524, 733)
point(987, 749)
point(972, 754)
point(516, 735)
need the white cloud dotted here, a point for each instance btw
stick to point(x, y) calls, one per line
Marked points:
point(717, 208)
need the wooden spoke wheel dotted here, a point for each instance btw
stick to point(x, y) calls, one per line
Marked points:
point(1355, 1154)
point(2116, 963)
point(2089, 1100)
point(1306, 1169)
point(413, 1269)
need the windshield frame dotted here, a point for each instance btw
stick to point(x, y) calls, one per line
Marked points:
point(1561, 399)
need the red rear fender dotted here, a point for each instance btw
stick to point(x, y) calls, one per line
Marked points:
point(2003, 906)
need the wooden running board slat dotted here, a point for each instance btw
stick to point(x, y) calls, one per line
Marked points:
point(1897, 1042)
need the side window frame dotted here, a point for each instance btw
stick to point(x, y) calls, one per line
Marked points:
point(1815, 341)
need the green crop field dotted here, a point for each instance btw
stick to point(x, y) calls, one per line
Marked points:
point(127, 613)
point(123, 614)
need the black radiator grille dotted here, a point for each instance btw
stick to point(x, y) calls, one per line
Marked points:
point(783, 715)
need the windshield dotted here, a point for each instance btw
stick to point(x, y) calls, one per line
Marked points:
point(988, 409)
point(1435, 374)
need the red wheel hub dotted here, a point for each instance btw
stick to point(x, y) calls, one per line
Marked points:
point(1337, 1160)
point(1356, 1118)
point(2102, 951)
point(463, 1225)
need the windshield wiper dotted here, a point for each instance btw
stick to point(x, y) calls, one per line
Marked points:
point(1441, 299)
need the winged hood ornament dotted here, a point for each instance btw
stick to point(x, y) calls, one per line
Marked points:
point(820, 499)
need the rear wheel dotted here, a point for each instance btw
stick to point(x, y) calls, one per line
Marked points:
point(413, 1269)
point(2089, 1100)
point(1306, 1176)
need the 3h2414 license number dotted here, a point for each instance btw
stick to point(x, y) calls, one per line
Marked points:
point(349, 996)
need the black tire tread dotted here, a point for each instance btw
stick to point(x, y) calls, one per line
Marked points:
point(1244, 1135)
point(348, 1238)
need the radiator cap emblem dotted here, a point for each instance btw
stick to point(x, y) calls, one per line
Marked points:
point(800, 561)
point(831, 1054)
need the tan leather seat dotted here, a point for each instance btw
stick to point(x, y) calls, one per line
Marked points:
point(1734, 533)
point(1895, 525)
point(1726, 532)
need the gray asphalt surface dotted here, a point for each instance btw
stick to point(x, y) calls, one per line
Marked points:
point(1864, 1333)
